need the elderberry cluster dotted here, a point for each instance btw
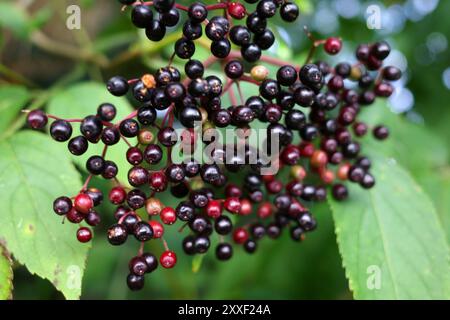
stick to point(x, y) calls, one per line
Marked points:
point(312, 108)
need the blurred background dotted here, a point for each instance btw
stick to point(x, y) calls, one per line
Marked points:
point(40, 52)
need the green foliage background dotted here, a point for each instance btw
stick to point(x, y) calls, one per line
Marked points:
point(406, 231)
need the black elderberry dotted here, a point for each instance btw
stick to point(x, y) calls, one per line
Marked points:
point(304, 96)
point(311, 76)
point(188, 245)
point(78, 145)
point(184, 48)
point(287, 75)
point(135, 282)
point(170, 18)
point(295, 119)
point(155, 31)
point(234, 69)
point(297, 233)
point(163, 5)
point(110, 136)
point(146, 115)
point(194, 69)
point(250, 246)
point(138, 266)
point(223, 225)
point(117, 234)
point(129, 128)
point(221, 48)
point(269, 89)
point(142, 16)
point(95, 165)
point(185, 211)
point(143, 231)
point(175, 173)
point(106, 112)
point(201, 244)
point(289, 11)
point(273, 230)
point(62, 205)
point(91, 127)
point(167, 136)
point(256, 23)
point(118, 86)
point(61, 130)
point(151, 261)
point(192, 30)
point(110, 170)
point(224, 251)
point(307, 221)
point(240, 35)
point(136, 199)
point(251, 52)
point(175, 91)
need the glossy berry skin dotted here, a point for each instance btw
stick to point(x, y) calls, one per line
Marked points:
point(78, 145)
point(240, 235)
point(234, 69)
point(151, 261)
point(168, 259)
point(251, 52)
point(106, 112)
point(333, 46)
point(118, 86)
point(143, 231)
point(197, 12)
point(137, 266)
point(153, 154)
point(117, 234)
point(75, 216)
point(146, 115)
point(135, 283)
point(236, 10)
point(223, 225)
point(129, 128)
point(158, 229)
point(110, 136)
point(158, 181)
point(240, 35)
point(250, 246)
point(188, 245)
point(93, 218)
point(168, 216)
point(61, 130)
point(117, 195)
point(83, 203)
point(185, 211)
point(138, 176)
point(368, 181)
point(37, 119)
point(287, 75)
point(136, 199)
point(224, 251)
point(340, 192)
point(62, 205)
point(214, 209)
point(289, 12)
point(95, 165)
point(232, 205)
point(194, 69)
point(155, 31)
point(381, 132)
point(84, 235)
point(221, 48)
point(167, 137)
point(142, 16)
point(91, 127)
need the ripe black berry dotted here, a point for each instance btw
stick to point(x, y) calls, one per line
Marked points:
point(37, 119)
point(95, 165)
point(62, 205)
point(118, 86)
point(155, 31)
point(185, 211)
point(61, 130)
point(142, 16)
point(289, 11)
point(129, 128)
point(135, 282)
point(146, 115)
point(240, 35)
point(78, 145)
point(117, 234)
point(143, 231)
point(224, 251)
point(223, 225)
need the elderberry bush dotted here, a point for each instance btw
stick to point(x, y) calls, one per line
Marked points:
point(310, 101)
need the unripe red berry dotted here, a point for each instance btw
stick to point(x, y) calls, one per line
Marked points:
point(327, 176)
point(265, 210)
point(319, 159)
point(290, 155)
point(158, 228)
point(246, 207)
point(306, 149)
point(214, 209)
point(233, 191)
point(232, 205)
point(240, 235)
point(168, 259)
point(236, 10)
point(274, 186)
point(158, 181)
point(117, 195)
point(333, 45)
point(298, 173)
point(84, 235)
point(83, 203)
point(168, 215)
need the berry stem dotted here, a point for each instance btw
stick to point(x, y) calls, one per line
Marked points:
point(217, 6)
point(166, 247)
point(86, 183)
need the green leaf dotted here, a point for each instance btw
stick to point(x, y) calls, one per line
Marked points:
point(12, 100)
point(13, 17)
point(392, 232)
point(6, 274)
point(82, 100)
point(33, 173)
